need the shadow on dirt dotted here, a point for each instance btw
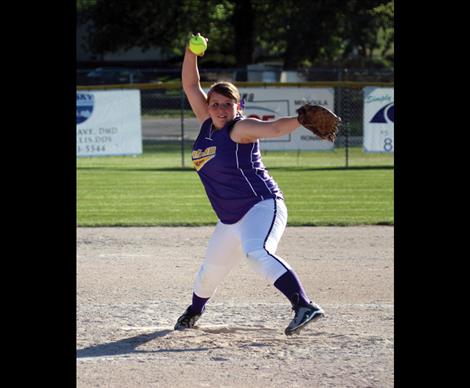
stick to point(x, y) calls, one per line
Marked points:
point(124, 346)
point(130, 345)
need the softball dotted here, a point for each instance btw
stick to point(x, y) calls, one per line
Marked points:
point(198, 45)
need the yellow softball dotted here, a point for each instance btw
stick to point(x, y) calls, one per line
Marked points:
point(198, 44)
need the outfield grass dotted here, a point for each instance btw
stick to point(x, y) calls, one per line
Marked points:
point(153, 189)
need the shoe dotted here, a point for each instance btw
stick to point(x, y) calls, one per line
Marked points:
point(304, 314)
point(187, 320)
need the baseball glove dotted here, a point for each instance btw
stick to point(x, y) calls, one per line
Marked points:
point(321, 121)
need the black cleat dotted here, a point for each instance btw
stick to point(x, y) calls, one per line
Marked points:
point(187, 320)
point(304, 314)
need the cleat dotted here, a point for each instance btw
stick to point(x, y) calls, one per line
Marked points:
point(187, 320)
point(303, 316)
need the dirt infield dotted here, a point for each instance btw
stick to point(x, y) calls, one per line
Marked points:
point(133, 283)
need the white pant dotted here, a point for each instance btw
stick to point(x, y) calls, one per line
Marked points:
point(255, 236)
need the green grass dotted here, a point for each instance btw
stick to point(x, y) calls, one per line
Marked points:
point(153, 189)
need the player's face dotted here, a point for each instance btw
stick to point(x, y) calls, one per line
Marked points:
point(222, 109)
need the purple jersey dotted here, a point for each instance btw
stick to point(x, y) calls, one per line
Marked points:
point(233, 174)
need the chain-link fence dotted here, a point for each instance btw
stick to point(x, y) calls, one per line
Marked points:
point(167, 117)
point(165, 111)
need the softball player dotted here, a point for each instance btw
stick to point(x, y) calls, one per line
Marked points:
point(248, 202)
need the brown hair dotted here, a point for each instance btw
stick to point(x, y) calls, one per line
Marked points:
point(226, 89)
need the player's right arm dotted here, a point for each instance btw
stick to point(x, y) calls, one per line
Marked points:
point(192, 86)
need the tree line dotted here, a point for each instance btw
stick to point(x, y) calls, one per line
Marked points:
point(300, 33)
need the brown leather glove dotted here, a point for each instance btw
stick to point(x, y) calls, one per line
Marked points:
point(320, 120)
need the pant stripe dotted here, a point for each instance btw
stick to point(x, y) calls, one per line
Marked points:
point(266, 239)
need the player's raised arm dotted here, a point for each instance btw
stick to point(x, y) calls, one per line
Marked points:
point(192, 87)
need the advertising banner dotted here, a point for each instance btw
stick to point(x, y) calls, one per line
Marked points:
point(109, 123)
point(379, 119)
point(269, 103)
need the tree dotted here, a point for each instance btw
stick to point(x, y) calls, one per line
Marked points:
point(367, 31)
point(243, 19)
point(299, 32)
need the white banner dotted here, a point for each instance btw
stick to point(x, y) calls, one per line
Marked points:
point(379, 119)
point(109, 123)
point(269, 103)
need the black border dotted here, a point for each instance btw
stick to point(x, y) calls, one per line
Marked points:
point(41, 224)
